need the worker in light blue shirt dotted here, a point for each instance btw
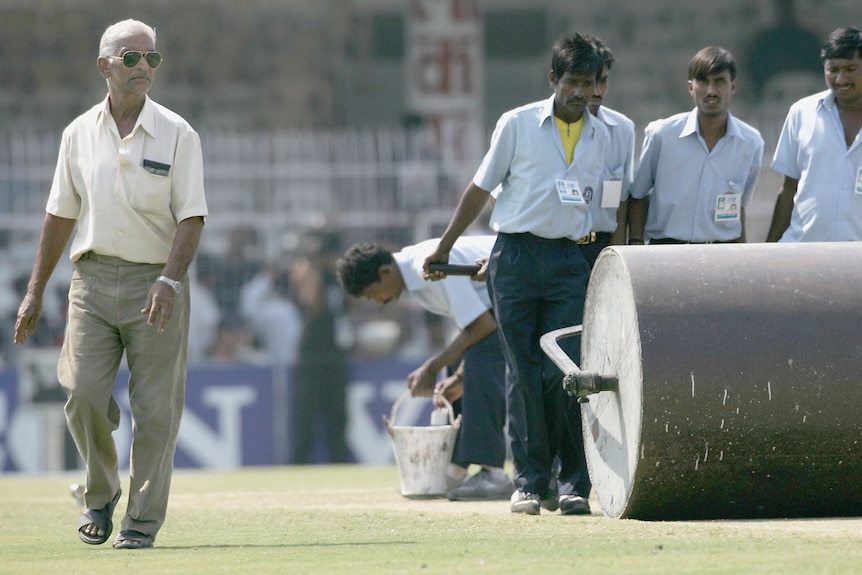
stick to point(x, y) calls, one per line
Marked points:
point(549, 159)
point(820, 153)
point(370, 271)
point(699, 168)
point(545, 194)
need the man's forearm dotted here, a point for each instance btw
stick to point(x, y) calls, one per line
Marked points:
point(55, 234)
point(637, 209)
point(783, 210)
point(469, 207)
point(620, 235)
point(185, 245)
point(480, 328)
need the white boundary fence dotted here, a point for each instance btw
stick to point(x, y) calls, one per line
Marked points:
point(383, 181)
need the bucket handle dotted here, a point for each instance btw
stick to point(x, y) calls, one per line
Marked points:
point(390, 421)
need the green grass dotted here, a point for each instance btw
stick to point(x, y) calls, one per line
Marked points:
point(351, 519)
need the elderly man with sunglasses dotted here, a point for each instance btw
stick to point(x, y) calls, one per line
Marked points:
point(129, 177)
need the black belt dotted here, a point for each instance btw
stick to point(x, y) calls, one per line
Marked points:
point(593, 237)
point(675, 241)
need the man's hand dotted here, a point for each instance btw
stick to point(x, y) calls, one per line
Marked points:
point(452, 388)
point(160, 304)
point(422, 381)
point(482, 274)
point(28, 316)
point(52, 242)
point(438, 257)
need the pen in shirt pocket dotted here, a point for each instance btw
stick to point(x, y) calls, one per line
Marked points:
point(157, 168)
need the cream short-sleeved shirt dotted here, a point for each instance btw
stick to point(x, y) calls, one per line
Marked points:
point(128, 195)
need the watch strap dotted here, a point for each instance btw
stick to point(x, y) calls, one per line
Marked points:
point(175, 285)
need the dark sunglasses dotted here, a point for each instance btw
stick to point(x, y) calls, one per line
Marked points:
point(132, 58)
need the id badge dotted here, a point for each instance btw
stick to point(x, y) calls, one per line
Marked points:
point(858, 188)
point(612, 190)
point(727, 207)
point(569, 192)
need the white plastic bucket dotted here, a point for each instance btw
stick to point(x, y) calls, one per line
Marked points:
point(422, 453)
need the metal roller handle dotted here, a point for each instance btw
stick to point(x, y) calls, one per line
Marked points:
point(578, 383)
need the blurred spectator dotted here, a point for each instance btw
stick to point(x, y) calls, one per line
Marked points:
point(785, 47)
point(319, 404)
point(226, 275)
point(204, 318)
point(265, 305)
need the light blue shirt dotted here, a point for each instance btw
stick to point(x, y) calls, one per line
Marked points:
point(619, 165)
point(812, 149)
point(526, 157)
point(685, 179)
point(456, 297)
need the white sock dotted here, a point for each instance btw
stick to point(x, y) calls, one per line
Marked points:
point(498, 471)
point(456, 471)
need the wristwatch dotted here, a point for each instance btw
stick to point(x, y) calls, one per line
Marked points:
point(175, 285)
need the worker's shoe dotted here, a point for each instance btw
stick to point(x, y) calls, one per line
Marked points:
point(525, 502)
point(574, 505)
point(486, 485)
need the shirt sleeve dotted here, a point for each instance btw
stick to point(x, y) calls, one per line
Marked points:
point(644, 179)
point(63, 201)
point(628, 174)
point(497, 161)
point(787, 150)
point(188, 199)
point(753, 172)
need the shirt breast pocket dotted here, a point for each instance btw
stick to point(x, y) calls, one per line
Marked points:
point(152, 193)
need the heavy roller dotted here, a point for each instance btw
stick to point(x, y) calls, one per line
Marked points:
point(721, 381)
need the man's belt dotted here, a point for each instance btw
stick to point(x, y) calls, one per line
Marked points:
point(592, 238)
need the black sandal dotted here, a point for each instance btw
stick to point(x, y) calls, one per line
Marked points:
point(131, 539)
point(101, 518)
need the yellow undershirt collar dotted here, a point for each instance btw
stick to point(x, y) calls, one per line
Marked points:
point(570, 134)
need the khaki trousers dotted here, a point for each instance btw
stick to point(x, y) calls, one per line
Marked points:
point(104, 321)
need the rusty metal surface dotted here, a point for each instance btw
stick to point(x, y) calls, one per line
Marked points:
point(751, 361)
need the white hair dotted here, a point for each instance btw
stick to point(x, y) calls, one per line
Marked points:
point(112, 39)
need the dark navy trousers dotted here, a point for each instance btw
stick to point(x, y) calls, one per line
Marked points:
point(482, 435)
point(538, 285)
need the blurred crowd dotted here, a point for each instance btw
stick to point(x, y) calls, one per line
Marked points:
point(252, 307)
